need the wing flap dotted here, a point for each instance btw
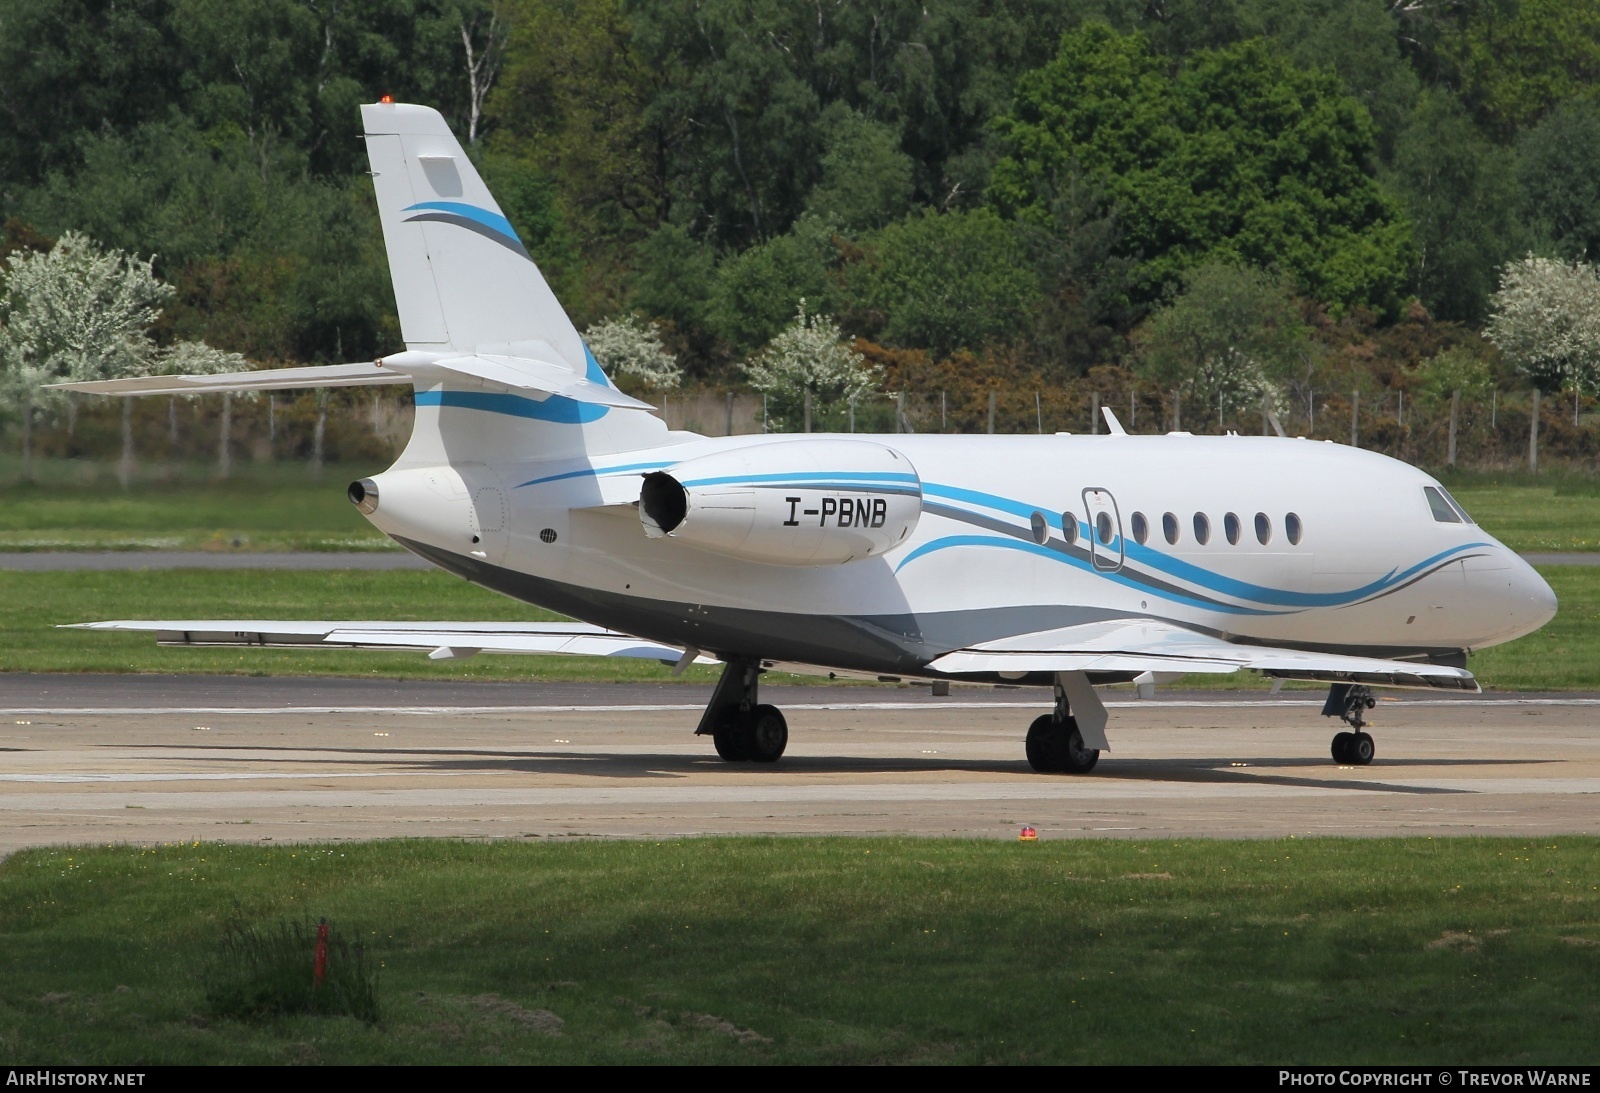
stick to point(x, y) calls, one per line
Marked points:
point(556, 638)
point(1150, 646)
point(261, 379)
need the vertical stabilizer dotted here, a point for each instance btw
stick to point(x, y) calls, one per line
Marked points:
point(463, 281)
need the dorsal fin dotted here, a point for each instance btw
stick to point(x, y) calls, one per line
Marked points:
point(1112, 423)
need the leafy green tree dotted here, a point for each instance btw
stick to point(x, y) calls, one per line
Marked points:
point(755, 291)
point(866, 179)
point(1231, 337)
point(1559, 171)
point(1546, 320)
point(945, 282)
point(675, 281)
point(808, 357)
point(1460, 196)
point(1239, 155)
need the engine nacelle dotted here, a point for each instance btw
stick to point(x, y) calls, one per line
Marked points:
point(796, 502)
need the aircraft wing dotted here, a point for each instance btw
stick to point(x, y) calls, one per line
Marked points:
point(1151, 646)
point(442, 640)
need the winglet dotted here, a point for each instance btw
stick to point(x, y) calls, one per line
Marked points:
point(1112, 423)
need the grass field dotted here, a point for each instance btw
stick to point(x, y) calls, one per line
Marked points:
point(264, 507)
point(1564, 655)
point(829, 950)
point(1555, 512)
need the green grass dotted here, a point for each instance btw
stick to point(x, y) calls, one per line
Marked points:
point(1564, 655)
point(830, 951)
point(1555, 512)
point(263, 507)
point(33, 604)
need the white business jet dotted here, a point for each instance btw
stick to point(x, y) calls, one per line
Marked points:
point(1057, 561)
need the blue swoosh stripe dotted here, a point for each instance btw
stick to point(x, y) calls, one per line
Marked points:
point(491, 220)
point(594, 472)
point(1029, 547)
point(1194, 574)
point(813, 479)
point(556, 409)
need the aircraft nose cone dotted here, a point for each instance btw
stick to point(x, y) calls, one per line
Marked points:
point(1532, 602)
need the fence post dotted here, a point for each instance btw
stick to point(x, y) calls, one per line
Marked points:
point(1094, 413)
point(1455, 406)
point(224, 460)
point(1533, 436)
point(991, 412)
point(852, 413)
point(1177, 410)
point(1355, 418)
point(808, 409)
point(944, 420)
point(1038, 410)
point(727, 429)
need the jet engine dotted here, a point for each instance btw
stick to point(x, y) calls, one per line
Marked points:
point(798, 502)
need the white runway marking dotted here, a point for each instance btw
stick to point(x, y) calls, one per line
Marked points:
point(678, 707)
point(1087, 789)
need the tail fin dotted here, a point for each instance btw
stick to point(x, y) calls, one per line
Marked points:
point(463, 281)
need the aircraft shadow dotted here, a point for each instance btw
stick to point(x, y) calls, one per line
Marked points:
point(658, 766)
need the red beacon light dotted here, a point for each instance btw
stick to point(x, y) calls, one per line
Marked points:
point(387, 100)
point(1028, 835)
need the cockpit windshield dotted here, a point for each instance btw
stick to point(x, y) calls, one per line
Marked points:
point(1445, 508)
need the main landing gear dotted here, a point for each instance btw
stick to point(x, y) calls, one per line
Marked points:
point(1055, 741)
point(1350, 702)
point(741, 727)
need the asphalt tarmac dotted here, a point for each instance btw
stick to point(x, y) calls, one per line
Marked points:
point(145, 759)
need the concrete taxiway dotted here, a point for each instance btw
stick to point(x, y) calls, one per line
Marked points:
point(142, 759)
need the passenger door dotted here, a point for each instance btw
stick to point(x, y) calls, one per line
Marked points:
point(1105, 529)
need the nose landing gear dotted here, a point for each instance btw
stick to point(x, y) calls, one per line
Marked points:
point(1055, 741)
point(1350, 702)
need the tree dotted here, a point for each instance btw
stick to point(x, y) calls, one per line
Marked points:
point(1227, 341)
point(1460, 196)
point(1558, 167)
point(1239, 156)
point(75, 312)
point(866, 179)
point(809, 357)
point(756, 290)
point(633, 348)
point(1546, 319)
point(945, 282)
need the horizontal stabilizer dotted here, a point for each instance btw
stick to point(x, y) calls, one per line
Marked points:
point(263, 379)
point(518, 372)
point(461, 638)
point(1149, 646)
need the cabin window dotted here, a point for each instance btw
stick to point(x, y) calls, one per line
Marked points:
point(1292, 528)
point(1263, 528)
point(1141, 529)
point(1230, 528)
point(1102, 524)
point(1443, 511)
point(1169, 528)
point(1069, 527)
point(1202, 529)
point(1040, 527)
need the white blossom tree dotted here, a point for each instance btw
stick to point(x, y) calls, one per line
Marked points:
point(1546, 320)
point(808, 357)
point(74, 312)
point(634, 348)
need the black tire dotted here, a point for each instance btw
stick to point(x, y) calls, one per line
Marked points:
point(1341, 748)
point(1075, 757)
point(1042, 747)
point(766, 734)
point(1361, 749)
point(730, 741)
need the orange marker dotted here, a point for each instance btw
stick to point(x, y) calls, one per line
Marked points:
point(1028, 835)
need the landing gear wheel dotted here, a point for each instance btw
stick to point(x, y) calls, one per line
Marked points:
point(1056, 747)
point(1353, 749)
point(1041, 746)
point(766, 734)
point(730, 740)
point(1341, 747)
point(1362, 749)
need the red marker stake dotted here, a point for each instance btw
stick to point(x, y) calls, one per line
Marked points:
point(320, 967)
